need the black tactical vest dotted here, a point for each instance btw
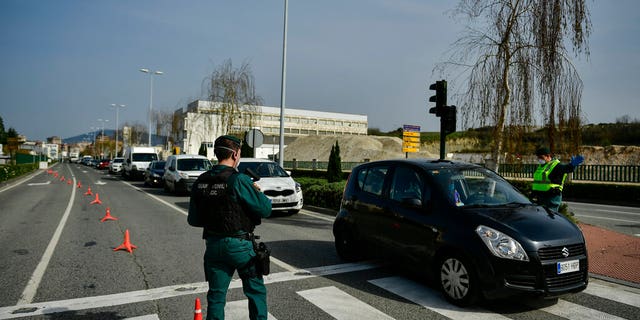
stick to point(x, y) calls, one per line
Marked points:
point(219, 213)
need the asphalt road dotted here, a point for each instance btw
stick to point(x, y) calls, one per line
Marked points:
point(57, 262)
point(617, 218)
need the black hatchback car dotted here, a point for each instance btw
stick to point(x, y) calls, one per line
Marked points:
point(464, 226)
point(154, 172)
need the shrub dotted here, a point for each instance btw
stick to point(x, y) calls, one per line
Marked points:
point(11, 171)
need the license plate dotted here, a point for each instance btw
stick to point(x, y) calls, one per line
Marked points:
point(279, 200)
point(568, 266)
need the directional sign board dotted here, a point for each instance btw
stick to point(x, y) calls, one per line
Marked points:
point(410, 138)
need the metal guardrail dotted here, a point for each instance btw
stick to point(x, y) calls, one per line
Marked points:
point(600, 173)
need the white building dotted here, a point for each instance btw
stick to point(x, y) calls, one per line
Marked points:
point(203, 121)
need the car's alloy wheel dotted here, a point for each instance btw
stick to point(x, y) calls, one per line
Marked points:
point(457, 281)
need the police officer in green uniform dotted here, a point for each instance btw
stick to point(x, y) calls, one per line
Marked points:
point(228, 205)
point(548, 179)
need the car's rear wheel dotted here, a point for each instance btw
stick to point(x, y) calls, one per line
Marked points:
point(346, 246)
point(458, 281)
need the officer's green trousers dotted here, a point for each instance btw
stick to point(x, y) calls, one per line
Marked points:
point(222, 257)
point(551, 201)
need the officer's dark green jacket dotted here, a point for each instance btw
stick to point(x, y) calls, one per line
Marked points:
point(241, 190)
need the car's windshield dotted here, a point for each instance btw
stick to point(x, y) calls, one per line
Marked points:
point(117, 160)
point(144, 156)
point(263, 169)
point(194, 164)
point(475, 186)
point(159, 165)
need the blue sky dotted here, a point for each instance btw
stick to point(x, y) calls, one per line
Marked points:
point(64, 62)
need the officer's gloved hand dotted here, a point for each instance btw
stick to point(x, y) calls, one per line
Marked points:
point(577, 160)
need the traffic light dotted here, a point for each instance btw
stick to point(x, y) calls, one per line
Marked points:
point(440, 98)
point(448, 120)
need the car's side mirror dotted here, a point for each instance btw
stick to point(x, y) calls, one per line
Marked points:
point(172, 168)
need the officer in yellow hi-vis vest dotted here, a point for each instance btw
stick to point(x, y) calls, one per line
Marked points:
point(549, 178)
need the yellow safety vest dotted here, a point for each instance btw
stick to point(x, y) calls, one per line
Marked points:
point(541, 180)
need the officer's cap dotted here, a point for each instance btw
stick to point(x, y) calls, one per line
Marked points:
point(543, 151)
point(220, 141)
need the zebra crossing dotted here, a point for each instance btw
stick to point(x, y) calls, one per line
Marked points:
point(341, 305)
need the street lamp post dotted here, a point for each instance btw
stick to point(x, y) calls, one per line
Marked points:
point(102, 136)
point(117, 107)
point(151, 74)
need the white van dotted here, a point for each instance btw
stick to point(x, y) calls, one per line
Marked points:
point(182, 170)
point(136, 161)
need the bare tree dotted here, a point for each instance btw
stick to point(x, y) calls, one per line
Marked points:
point(234, 90)
point(514, 53)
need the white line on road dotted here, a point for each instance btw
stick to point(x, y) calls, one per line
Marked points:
point(238, 310)
point(431, 299)
point(172, 206)
point(605, 218)
point(614, 292)
point(39, 183)
point(20, 182)
point(34, 282)
point(316, 215)
point(574, 311)
point(147, 317)
point(341, 305)
point(51, 307)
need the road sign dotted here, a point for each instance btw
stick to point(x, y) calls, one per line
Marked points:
point(254, 138)
point(410, 138)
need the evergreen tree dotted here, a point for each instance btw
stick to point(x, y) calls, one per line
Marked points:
point(203, 150)
point(334, 168)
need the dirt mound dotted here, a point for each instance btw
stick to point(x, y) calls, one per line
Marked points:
point(352, 148)
point(359, 148)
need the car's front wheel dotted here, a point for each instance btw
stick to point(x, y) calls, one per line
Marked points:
point(458, 281)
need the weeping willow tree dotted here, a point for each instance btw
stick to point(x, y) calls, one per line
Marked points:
point(515, 58)
point(233, 91)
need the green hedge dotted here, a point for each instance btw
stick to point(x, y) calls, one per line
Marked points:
point(11, 171)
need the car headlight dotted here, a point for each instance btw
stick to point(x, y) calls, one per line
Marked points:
point(298, 189)
point(183, 175)
point(500, 244)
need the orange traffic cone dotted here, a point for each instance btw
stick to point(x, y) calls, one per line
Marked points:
point(55, 174)
point(49, 171)
point(79, 185)
point(69, 181)
point(62, 178)
point(88, 193)
point(126, 245)
point(108, 216)
point(96, 200)
point(197, 313)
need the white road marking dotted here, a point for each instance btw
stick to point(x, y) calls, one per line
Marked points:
point(316, 215)
point(51, 307)
point(341, 305)
point(100, 183)
point(431, 299)
point(614, 292)
point(172, 206)
point(239, 310)
point(574, 311)
point(34, 282)
point(39, 183)
point(20, 182)
point(605, 218)
point(147, 317)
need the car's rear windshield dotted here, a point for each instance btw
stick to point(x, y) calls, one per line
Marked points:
point(476, 186)
point(263, 169)
point(194, 165)
point(144, 156)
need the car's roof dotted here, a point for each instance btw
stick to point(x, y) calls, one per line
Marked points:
point(188, 156)
point(255, 160)
point(425, 163)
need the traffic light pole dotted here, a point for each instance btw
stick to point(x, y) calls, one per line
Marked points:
point(443, 137)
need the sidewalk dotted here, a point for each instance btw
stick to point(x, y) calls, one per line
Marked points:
point(612, 255)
